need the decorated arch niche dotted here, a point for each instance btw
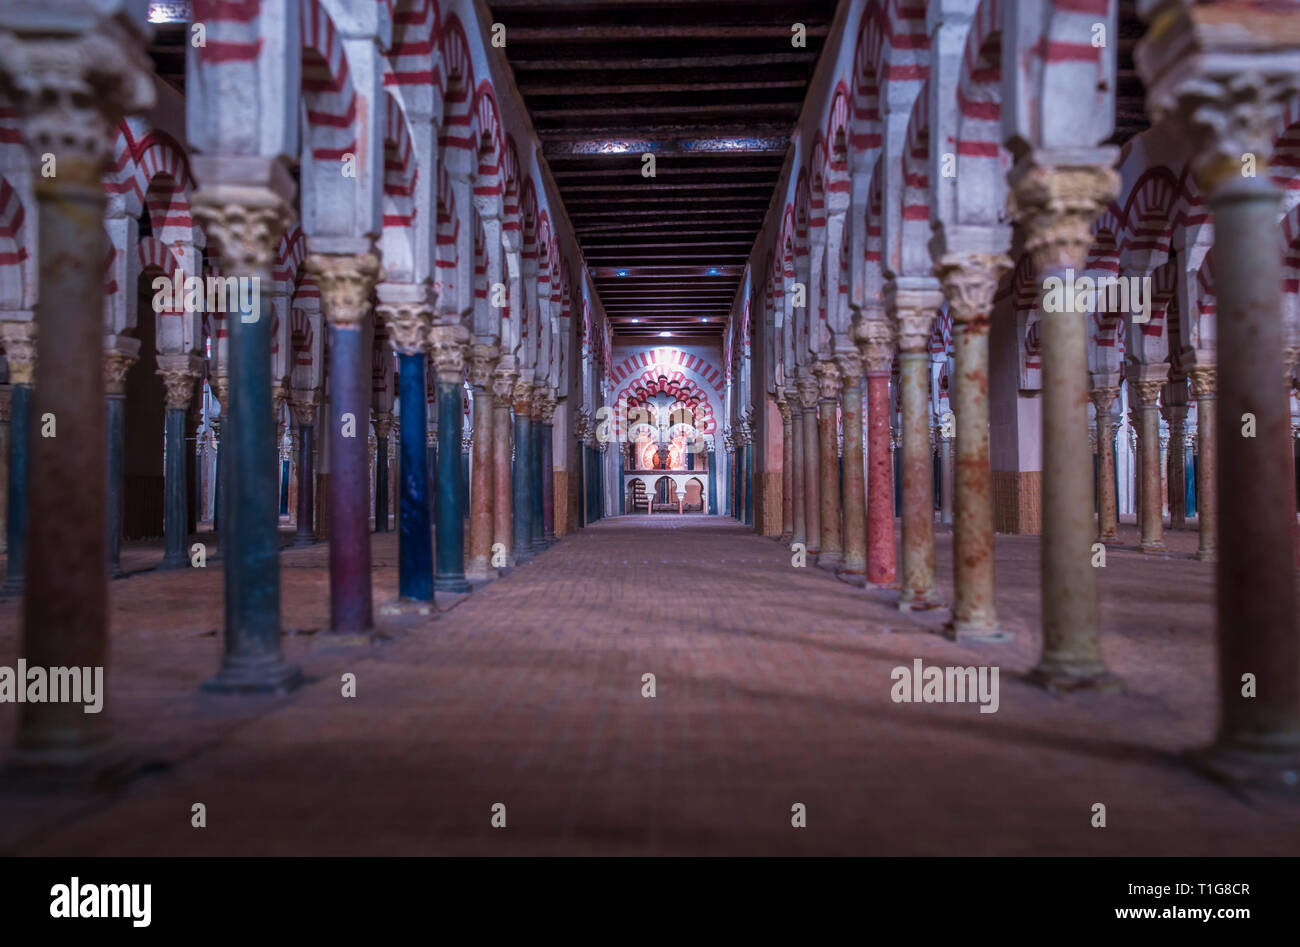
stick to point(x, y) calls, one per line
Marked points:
point(692, 382)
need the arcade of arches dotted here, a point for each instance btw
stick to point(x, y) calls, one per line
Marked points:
point(615, 397)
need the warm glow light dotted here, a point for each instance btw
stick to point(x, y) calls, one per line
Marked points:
point(665, 334)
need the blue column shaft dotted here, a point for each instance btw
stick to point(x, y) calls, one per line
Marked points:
point(713, 485)
point(253, 659)
point(414, 541)
point(20, 432)
point(351, 606)
point(116, 449)
point(175, 515)
point(521, 482)
point(749, 484)
point(449, 525)
point(539, 540)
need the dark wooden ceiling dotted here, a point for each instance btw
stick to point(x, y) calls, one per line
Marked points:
point(712, 88)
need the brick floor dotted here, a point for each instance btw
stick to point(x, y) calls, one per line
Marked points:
point(773, 688)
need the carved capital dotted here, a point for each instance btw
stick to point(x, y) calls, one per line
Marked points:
point(1102, 399)
point(304, 411)
point(503, 384)
point(20, 350)
point(540, 394)
point(383, 422)
point(913, 312)
point(1204, 381)
point(243, 225)
point(1148, 392)
point(72, 91)
point(346, 282)
point(548, 407)
point(482, 360)
point(408, 325)
point(1056, 205)
point(783, 406)
point(969, 281)
point(875, 340)
point(447, 345)
point(828, 380)
point(850, 366)
point(116, 365)
point(809, 391)
point(523, 396)
point(179, 385)
point(220, 385)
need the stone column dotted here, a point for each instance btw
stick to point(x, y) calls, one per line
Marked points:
point(116, 366)
point(1150, 513)
point(828, 385)
point(969, 282)
point(787, 465)
point(799, 517)
point(521, 472)
point(5, 396)
point(1226, 95)
point(1207, 507)
point(179, 373)
point(20, 350)
point(1176, 418)
point(346, 283)
point(71, 89)
point(482, 361)
point(304, 412)
point(1107, 503)
point(383, 423)
point(913, 310)
point(946, 478)
point(503, 383)
point(875, 341)
point(855, 511)
point(447, 345)
point(538, 488)
point(809, 393)
point(548, 468)
point(1056, 205)
point(221, 394)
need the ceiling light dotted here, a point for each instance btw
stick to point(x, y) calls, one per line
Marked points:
point(621, 272)
point(665, 334)
point(636, 320)
point(704, 318)
point(714, 271)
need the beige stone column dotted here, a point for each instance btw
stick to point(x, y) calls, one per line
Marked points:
point(912, 310)
point(1056, 204)
point(503, 384)
point(855, 496)
point(1150, 511)
point(799, 508)
point(1207, 507)
point(1107, 503)
point(831, 555)
point(969, 282)
point(809, 392)
point(482, 360)
point(787, 469)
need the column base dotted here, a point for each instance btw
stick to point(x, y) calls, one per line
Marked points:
point(259, 676)
point(1207, 555)
point(168, 565)
point(450, 583)
point(785, 538)
point(538, 545)
point(919, 601)
point(831, 561)
point(976, 631)
point(853, 575)
point(344, 640)
point(1109, 540)
point(302, 541)
point(479, 574)
point(1060, 677)
point(1249, 768)
point(811, 551)
point(1158, 546)
point(522, 556)
point(100, 766)
point(407, 607)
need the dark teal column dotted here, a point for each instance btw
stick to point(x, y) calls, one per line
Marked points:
point(414, 540)
point(381, 482)
point(547, 431)
point(116, 406)
point(581, 474)
point(284, 488)
point(253, 661)
point(713, 484)
point(449, 524)
point(622, 484)
point(20, 427)
point(175, 514)
point(539, 537)
point(521, 483)
point(464, 469)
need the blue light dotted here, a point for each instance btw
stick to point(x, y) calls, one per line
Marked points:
point(621, 272)
point(714, 271)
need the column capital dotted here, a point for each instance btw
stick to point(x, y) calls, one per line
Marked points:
point(828, 380)
point(1057, 204)
point(1204, 381)
point(408, 325)
point(808, 390)
point(850, 366)
point(783, 406)
point(243, 224)
point(969, 281)
point(116, 366)
point(178, 380)
point(1148, 391)
point(482, 360)
point(1102, 398)
point(522, 394)
point(20, 350)
point(875, 341)
point(383, 422)
point(72, 89)
point(220, 385)
point(447, 346)
point(548, 405)
point(346, 282)
point(912, 310)
point(503, 384)
point(304, 409)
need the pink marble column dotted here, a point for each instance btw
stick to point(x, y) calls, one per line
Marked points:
point(483, 359)
point(787, 468)
point(799, 531)
point(503, 384)
point(875, 339)
point(831, 555)
point(1150, 512)
point(1207, 507)
point(1107, 503)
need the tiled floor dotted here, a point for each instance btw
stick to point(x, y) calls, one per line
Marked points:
point(772, 689)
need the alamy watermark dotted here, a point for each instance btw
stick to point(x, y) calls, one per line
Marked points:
point(57, 685)
point(75, 899)
point(1118, 294)
point(945, 685)
point(241, 294)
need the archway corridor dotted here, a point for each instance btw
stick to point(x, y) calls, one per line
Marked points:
point(772, 687)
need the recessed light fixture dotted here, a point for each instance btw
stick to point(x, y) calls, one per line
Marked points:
point(714, 271)
point(621, 272)
point(665, 334)
point(636, 320)
point(704, 318)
